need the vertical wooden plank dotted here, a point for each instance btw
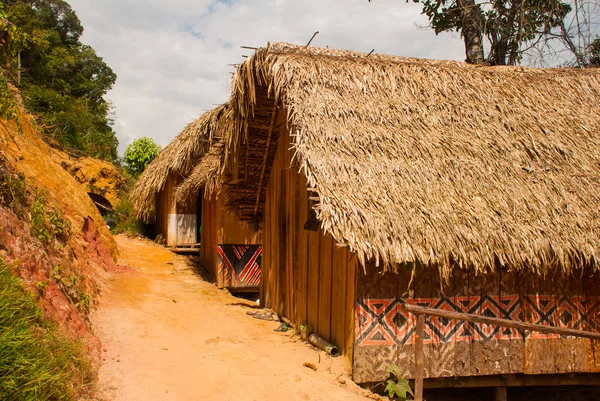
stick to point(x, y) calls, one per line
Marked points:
point(215, 224)
point(462, 346)
point(313, 279)
point(282, 228)
point(265, 297)
point(275, 195)
point(301, 261)
point(284, 239)
point(338, 297)
point(291, 243)
point(419, 364)
point(325, 271)
point(351, 267)
point(476, 344)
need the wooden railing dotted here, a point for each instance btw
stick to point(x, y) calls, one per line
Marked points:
point(421, 311)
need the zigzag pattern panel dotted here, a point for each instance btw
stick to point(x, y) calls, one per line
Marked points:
point(239, 265)
point(381, 322)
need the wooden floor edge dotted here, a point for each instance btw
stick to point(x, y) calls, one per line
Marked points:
point(520, 380)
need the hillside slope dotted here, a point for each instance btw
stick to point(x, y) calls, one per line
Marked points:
point(51, 235)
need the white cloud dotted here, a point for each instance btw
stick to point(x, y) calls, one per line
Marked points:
point(171, 57)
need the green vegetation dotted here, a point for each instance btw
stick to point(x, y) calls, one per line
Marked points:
point(9, 109)
point(139, 154)
point(47, 225)
point(506, 25)
point(13, 189)
point(125, 218)
point(68, 284)
point(501, 32)
point(62, 80)
point(397, 386)
point(37, 362)
point(594, 53)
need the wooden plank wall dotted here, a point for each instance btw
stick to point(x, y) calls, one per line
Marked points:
point(209, 236)
point(220, 226)
point(164, 205)
point(385, 333)
point(306, 277)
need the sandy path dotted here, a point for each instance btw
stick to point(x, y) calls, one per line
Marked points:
point(169, 335)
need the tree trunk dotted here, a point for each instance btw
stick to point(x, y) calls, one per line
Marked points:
point(472, 30)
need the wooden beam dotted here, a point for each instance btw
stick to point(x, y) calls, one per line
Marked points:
point(264, 166)
point(419, 368)
point(420, 310)
point(515, 380)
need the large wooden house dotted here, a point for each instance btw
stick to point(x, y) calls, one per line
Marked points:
point(230, 249)
point(382, 181)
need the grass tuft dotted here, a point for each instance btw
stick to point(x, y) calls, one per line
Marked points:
point(37, 361)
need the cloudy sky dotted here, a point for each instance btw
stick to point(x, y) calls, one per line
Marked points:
point(172, 57)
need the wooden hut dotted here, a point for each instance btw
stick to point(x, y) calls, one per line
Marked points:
point(153, 195)
point(230, 249)
point(382, 182)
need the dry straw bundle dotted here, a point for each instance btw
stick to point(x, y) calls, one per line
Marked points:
point(179, 157)
point(438, 162)
point(205, 175)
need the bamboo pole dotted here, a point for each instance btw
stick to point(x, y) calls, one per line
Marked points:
point(420, 310)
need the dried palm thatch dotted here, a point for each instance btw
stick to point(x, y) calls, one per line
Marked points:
point(437, 162)
point(205, 175)
point(179, 157)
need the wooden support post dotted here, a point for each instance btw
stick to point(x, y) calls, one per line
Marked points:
point(419, 369)
point(500, 394)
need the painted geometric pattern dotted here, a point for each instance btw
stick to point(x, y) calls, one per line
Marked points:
point(381, 322)
point(239, 265)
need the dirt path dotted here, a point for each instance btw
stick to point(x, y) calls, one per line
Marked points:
point(169, 335)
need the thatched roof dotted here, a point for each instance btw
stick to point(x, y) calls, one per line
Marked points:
point(204, 175)
point(179, 157)
point(438, 162)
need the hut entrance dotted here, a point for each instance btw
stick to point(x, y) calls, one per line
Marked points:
point(103, 204)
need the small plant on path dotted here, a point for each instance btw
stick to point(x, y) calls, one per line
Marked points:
point(397, 387)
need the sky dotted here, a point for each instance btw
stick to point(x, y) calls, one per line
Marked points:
point(173, 58)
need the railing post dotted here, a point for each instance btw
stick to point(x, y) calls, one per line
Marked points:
point(419, 368)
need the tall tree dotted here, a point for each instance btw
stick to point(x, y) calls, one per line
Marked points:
point(62, 80)
point(500, 28)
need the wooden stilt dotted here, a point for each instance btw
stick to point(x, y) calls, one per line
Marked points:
point(419, 368)
point(500, 394)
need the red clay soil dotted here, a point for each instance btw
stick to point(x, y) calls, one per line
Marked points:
point(64, 274)
point(169, 335)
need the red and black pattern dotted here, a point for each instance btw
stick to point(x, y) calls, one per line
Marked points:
point(239, 265)
point(381, 322)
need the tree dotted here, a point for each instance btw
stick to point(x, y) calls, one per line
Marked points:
point(62, 80)
point(576, 40)
point(593, 59)
point(502, 27)
point(139, 154)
